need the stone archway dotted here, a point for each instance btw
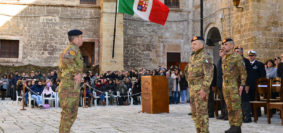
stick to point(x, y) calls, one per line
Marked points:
point(212, 41)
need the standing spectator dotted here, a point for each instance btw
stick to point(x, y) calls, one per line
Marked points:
point(271, 71)
point(176, 86)
point(183, 87)
point(280, 67)
point(4, 86)
point(257, 71)
point(170, 86)
point(277, 60)
point(14, 81)
point(136, 91)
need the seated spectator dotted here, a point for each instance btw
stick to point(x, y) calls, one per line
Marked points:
point(122, 88)
point(36, 91)
point(100, 92)
point(111, 89)
point(47, 91)
point(29, 84)
point(270, 69)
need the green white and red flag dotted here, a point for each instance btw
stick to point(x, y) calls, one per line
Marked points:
point(150, 10)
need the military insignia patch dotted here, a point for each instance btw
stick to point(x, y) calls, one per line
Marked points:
point(225, 66)
point(72, 52)
point(206, 61)
point(195, 38)
point(142, 5)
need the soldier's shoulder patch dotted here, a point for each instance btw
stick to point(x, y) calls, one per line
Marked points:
point(208, 60)
point(69, 54)
point(72, 52)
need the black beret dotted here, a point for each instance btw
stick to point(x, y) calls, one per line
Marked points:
point(74, 33)
point(227, 40)
point(197, 38)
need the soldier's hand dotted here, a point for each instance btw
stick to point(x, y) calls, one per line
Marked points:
point(247, 88)
point(202, 94)
point(78, 78)
point(240, 90)
point(213, 89)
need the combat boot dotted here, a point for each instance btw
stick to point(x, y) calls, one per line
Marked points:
point(235, 129)
point(228, 131)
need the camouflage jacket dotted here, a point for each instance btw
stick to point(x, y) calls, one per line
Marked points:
point(199, 70)
point(233, 68)
point(70, 64)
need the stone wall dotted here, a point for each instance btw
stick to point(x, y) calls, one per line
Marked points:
point(147, 44)
point(254, 25)
point(42, 26)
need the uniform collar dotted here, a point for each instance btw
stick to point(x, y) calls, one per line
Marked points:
point(74, 46)
point(198, 51)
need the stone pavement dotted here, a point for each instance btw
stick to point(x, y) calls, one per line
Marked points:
point(117, 119)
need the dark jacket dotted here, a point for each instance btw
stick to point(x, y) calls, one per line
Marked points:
point(248, 69)
point(136, 88)
point(36, 89)
point(219, 74)
point(280, 70)
point(110, 87)
point(214, 80)
point(257, 71)
point(183, 83)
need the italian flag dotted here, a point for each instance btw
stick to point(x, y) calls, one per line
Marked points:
point(150, 10)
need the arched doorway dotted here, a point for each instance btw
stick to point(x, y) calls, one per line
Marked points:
point(212, 41)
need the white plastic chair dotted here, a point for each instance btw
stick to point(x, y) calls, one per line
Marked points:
point(56, 95)
point(30, 99)
point(130, 98)
point(19, 97)
point(107, 98)
point(50, 99)
point(96, 97)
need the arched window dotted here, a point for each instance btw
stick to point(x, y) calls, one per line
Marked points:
point(172, 3)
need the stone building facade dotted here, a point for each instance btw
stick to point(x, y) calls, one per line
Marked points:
point(40, 28)
point(254, 25)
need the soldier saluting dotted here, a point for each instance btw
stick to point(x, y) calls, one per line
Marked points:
point(70, 69)
point(234, 80)
point(199, 74)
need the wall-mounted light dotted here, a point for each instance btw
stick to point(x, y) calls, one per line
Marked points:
point(236, 3)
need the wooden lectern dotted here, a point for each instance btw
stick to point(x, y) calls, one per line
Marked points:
point(155, 94)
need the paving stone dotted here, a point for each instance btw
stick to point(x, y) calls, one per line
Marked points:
point(118, 119)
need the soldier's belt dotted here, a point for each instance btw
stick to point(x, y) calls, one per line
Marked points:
point(196, 82)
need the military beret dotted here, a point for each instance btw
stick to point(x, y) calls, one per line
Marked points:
point(227, 40)
point(251, 52)
point(74, 33)
point(197, 38)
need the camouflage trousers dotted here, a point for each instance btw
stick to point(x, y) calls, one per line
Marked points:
point(233, 104)
point(199, 110)
point(69, 102)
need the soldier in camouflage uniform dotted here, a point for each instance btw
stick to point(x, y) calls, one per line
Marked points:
point(199, 73)
point(70, 69)
point(234, 72)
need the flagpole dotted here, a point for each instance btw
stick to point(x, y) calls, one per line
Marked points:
point(114, 36)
